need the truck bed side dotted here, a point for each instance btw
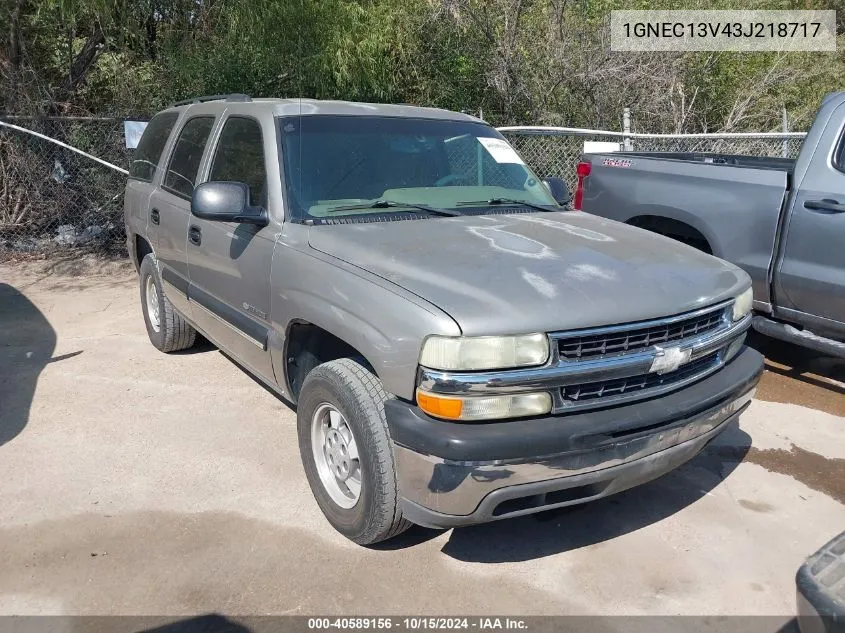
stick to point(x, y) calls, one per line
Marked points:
point(732, 210)
point(712, 158)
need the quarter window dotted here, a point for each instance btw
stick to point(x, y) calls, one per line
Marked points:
point(148, 153)
point(839, 155)
point(185, 160)
point(240, 157)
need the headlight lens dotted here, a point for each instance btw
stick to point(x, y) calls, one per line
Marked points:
point(484, 352)
point(743, 304)
point(473, 408)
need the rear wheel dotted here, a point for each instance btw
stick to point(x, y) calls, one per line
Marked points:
point(167, 330)
point(345, 449)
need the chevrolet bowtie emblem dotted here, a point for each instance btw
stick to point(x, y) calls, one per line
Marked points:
point(669, 359)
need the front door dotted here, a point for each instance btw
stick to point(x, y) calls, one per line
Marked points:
point(811, 278)
point(229, 263)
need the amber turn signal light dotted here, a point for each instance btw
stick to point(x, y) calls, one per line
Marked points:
point(440, 407)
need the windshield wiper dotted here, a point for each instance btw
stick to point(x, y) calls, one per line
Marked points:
point(390, 204)
point(495, 201)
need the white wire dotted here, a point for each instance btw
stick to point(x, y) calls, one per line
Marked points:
point(561, 131)
point(65, 145)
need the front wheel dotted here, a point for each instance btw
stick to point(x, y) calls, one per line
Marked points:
point(345, 449)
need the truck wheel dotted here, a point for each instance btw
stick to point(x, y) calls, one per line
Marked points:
point(345, 448)
point(167, 330)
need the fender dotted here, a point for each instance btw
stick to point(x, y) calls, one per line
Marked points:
point(341, 299)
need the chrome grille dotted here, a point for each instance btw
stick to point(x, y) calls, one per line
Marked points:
point(612, 365)
point(622, 386)
point(614, 341)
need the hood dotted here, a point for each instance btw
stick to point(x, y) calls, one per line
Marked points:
point(537, 272)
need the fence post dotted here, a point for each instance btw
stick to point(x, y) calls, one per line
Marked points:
point(626, 129)
point(785, 144)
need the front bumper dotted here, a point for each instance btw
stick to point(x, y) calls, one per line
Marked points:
point(454, 474)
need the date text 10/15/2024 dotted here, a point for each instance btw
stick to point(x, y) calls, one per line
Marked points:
point(418, 623)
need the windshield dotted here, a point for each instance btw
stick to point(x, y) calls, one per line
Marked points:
point(333, 163)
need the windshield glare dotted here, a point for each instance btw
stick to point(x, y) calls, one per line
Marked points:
point(337, 161)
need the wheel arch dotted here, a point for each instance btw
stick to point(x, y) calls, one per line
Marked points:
point(686, 230)
point(307, 345)
point(142, 248)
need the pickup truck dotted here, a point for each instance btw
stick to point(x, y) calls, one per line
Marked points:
point(459, 347)
point(781, 220)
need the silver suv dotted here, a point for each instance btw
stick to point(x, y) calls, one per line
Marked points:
point(459, 345)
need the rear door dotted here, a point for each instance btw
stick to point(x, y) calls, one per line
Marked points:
point(142, 175)
point(229, 263)
point(811, 277)
point(171, 204)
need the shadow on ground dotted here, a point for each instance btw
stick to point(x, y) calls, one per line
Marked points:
point(27, 342)
point(209, 623)
point(571, 528)
point(201, 346)
point(796, 362)
point(795, 375)
point(225, 562)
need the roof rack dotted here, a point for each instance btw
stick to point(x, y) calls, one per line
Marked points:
point(237, 97)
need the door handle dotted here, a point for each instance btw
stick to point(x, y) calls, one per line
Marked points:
point(195, 235)
point(154, 217)
point(825, 206)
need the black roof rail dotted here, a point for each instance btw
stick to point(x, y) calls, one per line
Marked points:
point(237, 97)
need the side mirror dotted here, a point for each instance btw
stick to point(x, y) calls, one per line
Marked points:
point(226, 202)
point(558, 189)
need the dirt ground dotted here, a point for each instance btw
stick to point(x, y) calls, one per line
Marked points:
point(133, 482)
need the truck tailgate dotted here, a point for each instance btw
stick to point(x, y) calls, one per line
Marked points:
point(735, 208)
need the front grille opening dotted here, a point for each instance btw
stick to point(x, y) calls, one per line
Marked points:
point(637, 338)
point(532, 502)
point(620, 386)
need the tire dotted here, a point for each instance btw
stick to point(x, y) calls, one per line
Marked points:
point(358, 396)
point(173, 332)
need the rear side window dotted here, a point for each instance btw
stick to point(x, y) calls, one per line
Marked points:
point(187, 153)
point(240, 157)
point(148, 153)
point(839, 156)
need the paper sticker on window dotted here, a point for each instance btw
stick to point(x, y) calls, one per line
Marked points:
point(132, 131)
point(500, 150)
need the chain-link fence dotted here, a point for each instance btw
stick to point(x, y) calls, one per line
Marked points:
point(55, 195)
point(555, 151)
point(54, 198)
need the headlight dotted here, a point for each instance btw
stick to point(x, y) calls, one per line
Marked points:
point(484, 352)
point(743, 304)
point(473, 408)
